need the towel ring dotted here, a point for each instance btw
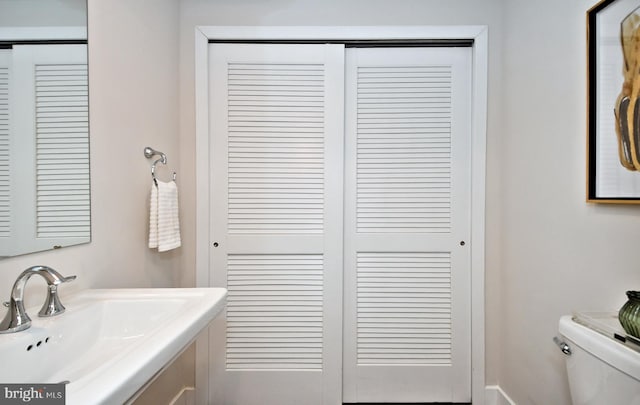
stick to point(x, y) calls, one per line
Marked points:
point(149, 153)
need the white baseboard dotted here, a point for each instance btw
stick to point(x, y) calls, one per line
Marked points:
point(495, 396)
point(186, 396)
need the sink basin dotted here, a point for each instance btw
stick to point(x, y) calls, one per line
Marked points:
point(109, 343)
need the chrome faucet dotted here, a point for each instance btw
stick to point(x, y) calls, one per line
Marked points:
point(17, 318)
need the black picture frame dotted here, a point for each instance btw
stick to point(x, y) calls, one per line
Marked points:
point(612, 176)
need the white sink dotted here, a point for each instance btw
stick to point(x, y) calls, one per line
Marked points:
point(108, 343)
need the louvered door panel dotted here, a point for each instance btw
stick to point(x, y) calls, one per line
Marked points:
point(407, 208)
point(62, 151)
point(274, 312)
point(404, 308)
point(5, 172)
point(276, 181)
point(276, 148)
point(404, 149)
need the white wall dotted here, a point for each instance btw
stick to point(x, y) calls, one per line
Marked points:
point(559, 253)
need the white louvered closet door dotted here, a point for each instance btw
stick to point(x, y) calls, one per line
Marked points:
point(276, 138)
point(407, 213)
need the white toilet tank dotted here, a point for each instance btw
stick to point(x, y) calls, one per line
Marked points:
point(601, 369)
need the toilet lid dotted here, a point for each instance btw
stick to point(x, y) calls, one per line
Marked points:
point(607, 323)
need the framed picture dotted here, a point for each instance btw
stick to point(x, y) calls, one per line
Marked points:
point(613, 153)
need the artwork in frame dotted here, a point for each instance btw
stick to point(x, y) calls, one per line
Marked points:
point(613, 153)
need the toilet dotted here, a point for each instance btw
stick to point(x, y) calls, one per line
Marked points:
point(602, 369)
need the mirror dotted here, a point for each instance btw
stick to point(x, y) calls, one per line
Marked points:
point(44, 126)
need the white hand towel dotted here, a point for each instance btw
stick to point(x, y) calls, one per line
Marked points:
point(153, 217)
point(164, 225)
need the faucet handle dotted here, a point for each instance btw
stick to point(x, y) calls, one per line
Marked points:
point(52, 305)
